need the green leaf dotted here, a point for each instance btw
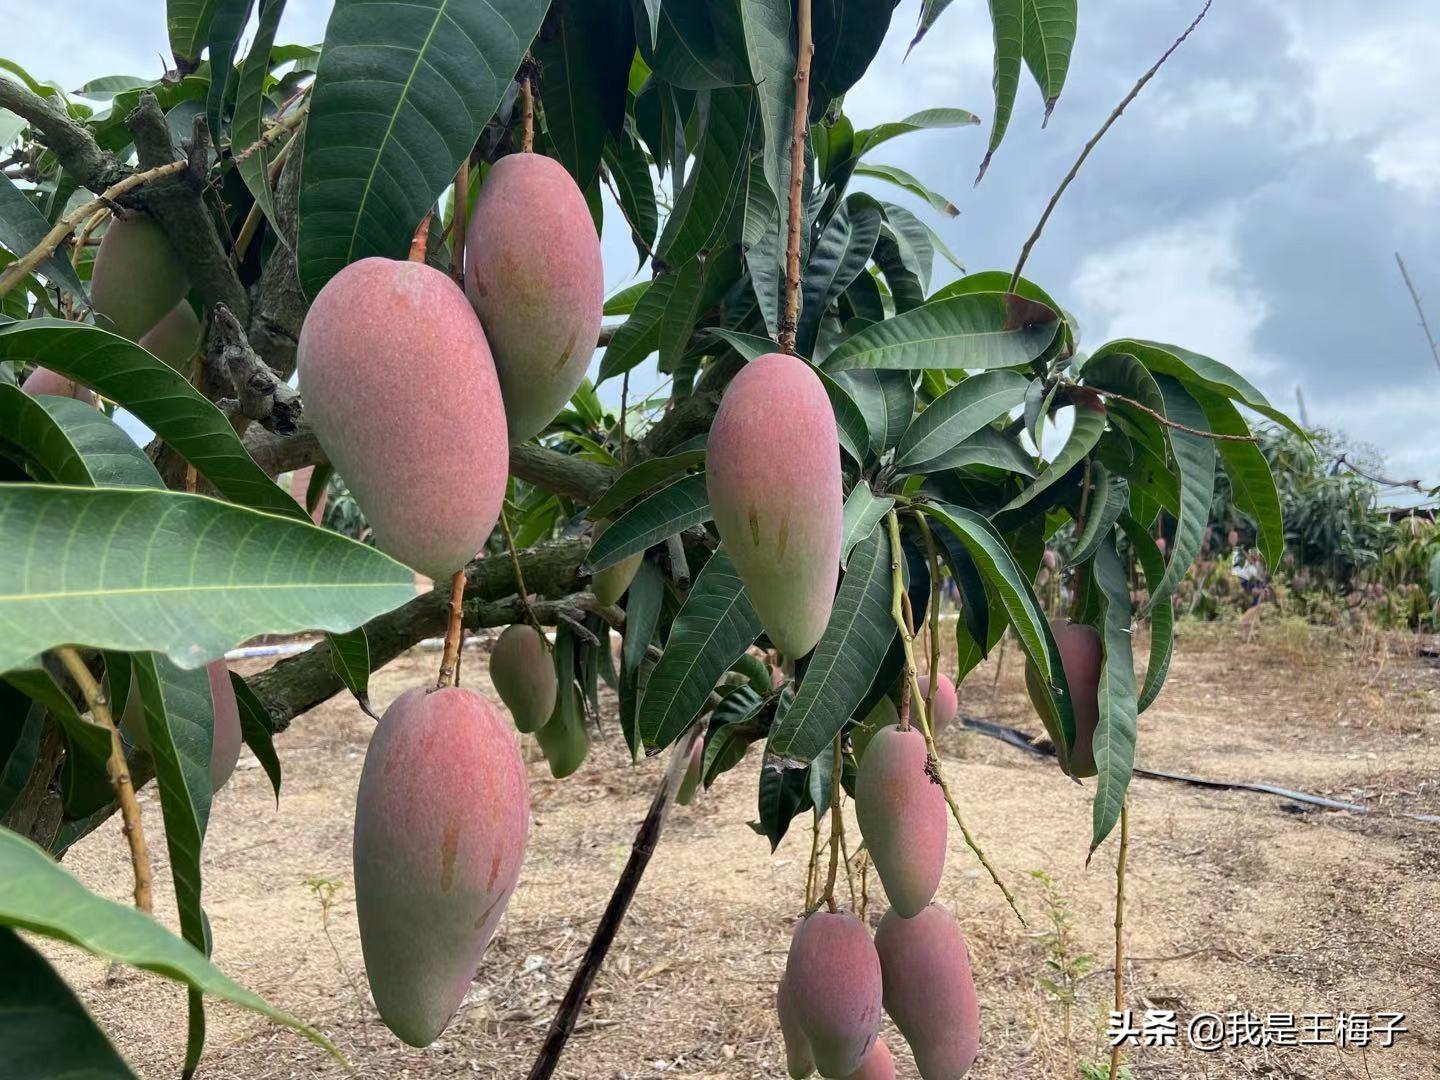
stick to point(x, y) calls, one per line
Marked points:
point(986, 447)
point(585, 51)
point(1002, 574)
point(726, 119)
point(1195, 460)
point(630, 171)
point(924, 120)
point(893, 174)
point(226, 26)
point(188, 22)
point(1115, 731)
point(847, 35)
point(1049, 35)
point(837, 259)
point(1192, 369)
point(1008, 19)
point(646, 476)
point(978, 330)
point(185, 575)
point(864, 510)
point(1089, 425)
point(38, 895)
point(765, 28)
point(624, 301)
point(715, 626)
point(845, 661)
point(639, 335)
point(959, 413)
point(672, 509)
point(250, 108)
point(733, 727)
point(784, 793)
point(350, 657)
point(886, 400)
point(682, 311)
point(402, 92)
point(690, 51)
point(45, 1030)
point(158, 395)
point(1108, 500)
point(70, 442)
point(84, 783)
point(257, 730)
point(1162, 616)
point(643, 602)
point(23, 227)
point(19, 743)
point(1251, 480)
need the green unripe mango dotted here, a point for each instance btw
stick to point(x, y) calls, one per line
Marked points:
point(137, 277)
point(564, 740)
point(609, 585)
point(175, 338)
point(524, 676)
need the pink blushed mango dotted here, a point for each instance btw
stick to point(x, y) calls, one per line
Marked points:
point(879, 1064)
point(137, 278)
point(834, 988)
point(773, 477)
point(300, 490)
point(524, 676)
point(929, 991)
point(947, 702)
point(1081, 656)
point(44, 381)
point(799, 1062)
point(903, 817)
point(533, 273)
point(441, 820)
point(400, 387)
point(225, 739)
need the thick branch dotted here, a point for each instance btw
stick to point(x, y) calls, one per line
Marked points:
point(178, 204)
point(71, 142)
point(279, 305)
point(260, 395)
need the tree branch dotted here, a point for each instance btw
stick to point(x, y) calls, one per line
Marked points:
point(71, 142)
point(260, 394)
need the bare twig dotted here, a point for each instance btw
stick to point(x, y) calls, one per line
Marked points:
point(519, 574)
point(1419, 310)
point(1120, 928)
point(837, 826)
point(118, 770)
point(1094, 140)
point(1163, 419)
point(1381, 480)
point(527, 105)
point(27, 263)
point(450, 656)
point(804, 51)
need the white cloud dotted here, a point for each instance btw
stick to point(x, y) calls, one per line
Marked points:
point(1185, 284)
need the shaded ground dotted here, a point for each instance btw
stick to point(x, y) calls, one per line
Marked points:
point(1237, 901)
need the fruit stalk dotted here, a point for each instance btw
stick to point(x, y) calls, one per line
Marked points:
point(119, 773)
point(837, 827)
point(1120, 927)
point(805, 49)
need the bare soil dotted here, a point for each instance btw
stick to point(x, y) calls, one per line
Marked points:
point(1236, 900)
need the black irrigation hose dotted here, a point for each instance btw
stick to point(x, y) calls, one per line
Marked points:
point(1018, 739)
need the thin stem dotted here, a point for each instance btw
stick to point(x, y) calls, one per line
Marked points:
point(276, 131)
point(812, 872)
point(805, 49)
point(419, 241)
point(520, 576)
point(118, 771)
point(907, 638)
point(624, 408)
point(1094, 140)
point(844, 847)
point(933, 557)
point(899, 601)
point(837, 828)
point(1419, 310)
point(251, 225)
point(27, 263)
point(527, 106)
point(450, 658)
point(1163, 419)
point(458, 214)
point(83, 236)
point(1120, 928)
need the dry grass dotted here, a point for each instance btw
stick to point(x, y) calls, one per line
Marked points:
point(1238, 900)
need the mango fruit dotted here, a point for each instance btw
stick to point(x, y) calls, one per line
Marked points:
point(690, 782)
point(903, 817)
point(946, 704)
point(441, 820)
point(44, 381)
point(832, 979)
point(137, 277)
point(564, 740)
point(300, 490)
point(533, 273)
point(773, 477)
point(879, 1064)
point(929, 992)
point(882, 714)
point(224, 742)
point(1081, 656)
point(175, 338)
point(799, 1062)
point(400, 387)
point(524, 676)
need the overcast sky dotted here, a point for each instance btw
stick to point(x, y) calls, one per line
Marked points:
point(1247, 206)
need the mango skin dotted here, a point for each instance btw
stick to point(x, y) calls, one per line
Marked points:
point(226, 739)
point(879, 1064)
point(929, 991)
point(690, 782)
point(882, 714)
point(534, 274)
point(834, 986)
point(44, 381)
point(400, 387)
point(565, 744)
point(773, 477)
point(947, 702)
point(137, 277)
point(609, 585)
point(175, 338)
point(1081, 656)
point(799, 1062)
point(903, 817)
point(524, 676)
point(300, 488)
point(441, 820)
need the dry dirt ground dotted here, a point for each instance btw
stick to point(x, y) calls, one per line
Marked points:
point(1236, 901)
